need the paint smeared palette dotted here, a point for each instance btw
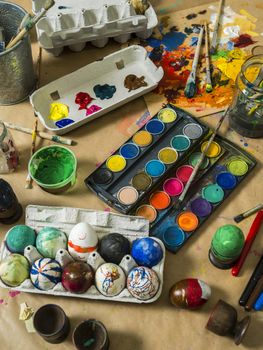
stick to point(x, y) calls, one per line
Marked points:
point(95, 89)
point(150, 183)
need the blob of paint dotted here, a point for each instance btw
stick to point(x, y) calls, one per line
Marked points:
point(142, 138)
point(193, 131)
point(168, 155)
point(64, 122)
point(127, 195)
point(226, 180)
point(155, 127)
point(213, 151)
point(173, 236)
point(184, 172)
point(194, 158)
point(141, 181)
point(155, 168)
point(132, 82)
point(58, 111)
point(167, 115)
point(180, 142)
point(147, 211)
point(160, 200)
point(201, 207)
point(213, 193)
point(237, 167)
point(188, 221)
point(92, 109)
point(116, 163)
point(105, 91)
point(129, 151)
point(173, 187)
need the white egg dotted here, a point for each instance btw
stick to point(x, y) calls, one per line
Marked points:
point(82, 241)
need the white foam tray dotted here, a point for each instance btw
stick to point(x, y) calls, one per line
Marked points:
point(64, 218)
point(135, 61)
point(92, 21)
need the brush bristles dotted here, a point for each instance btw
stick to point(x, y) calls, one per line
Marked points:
point(190, 90)
point(209, 88)
point(238, 218)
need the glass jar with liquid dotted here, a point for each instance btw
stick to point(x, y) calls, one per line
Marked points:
point(8, 152)
point(246, 111)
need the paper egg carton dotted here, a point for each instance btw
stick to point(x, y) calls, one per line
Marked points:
point(64, 219)
point(73, 23)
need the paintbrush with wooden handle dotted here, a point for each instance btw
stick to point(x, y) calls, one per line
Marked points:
point(33, 147)
point(216, 28)
point(209, 86)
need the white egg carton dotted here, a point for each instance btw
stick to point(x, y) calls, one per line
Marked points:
point(64, 218)
point(73, 23)
point(111, 70)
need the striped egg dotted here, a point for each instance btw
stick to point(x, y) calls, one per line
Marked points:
point(45, 273)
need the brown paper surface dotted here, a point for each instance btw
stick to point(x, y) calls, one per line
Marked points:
point(133, 327)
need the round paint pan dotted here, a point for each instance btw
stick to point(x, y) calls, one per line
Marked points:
point(102, 176)
point(184, 172)
point(167, 115)
point(141, 181)
point(194, 158)
point(193, 131)
point(116, 163)
point(129, 151)
point(174, 236)
point(226, 180)
point(213, 193)
point(213, 151)
point(237, 167)
point(168, 155)
point(201, 207)
point(142, 138)
point(187, 221)
point(154, 168)
point(155, 127)
point(127, 195)
point(160, 200)
point(147, 211)
point(180, 143)
point(173, 187)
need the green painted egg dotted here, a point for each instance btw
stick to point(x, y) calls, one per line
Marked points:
point(49, 241)
point(19, 237)
point(14, 270)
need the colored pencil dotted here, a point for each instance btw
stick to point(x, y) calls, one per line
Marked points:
point(216, 28)
point(33, 147)
point(200, 161)
point(209, 86)
point(247, 213)
point(248, 243)
point(255, 294)
point(190, 88)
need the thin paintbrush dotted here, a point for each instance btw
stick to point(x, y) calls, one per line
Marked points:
point(190, 88)
point(216, 28)
point(247, 213)
point(200, 161)
point(209, 87)
point(33, 147)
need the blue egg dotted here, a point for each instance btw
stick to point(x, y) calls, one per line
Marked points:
point(146, 252)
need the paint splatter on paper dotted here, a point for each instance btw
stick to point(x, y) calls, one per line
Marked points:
point(13, 293)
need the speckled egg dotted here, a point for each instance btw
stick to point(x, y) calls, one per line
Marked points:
point(114, 247)
point(19, 237)
point(143, 283)
point(77, 277)
point(146, 252)
point(49, 241)
point(190, 293)
point(82, 240)
point(110, 279)
point(45, 273)
point(14, 270)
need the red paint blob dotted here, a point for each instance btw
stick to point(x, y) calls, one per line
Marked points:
point(243, 40)
point(83, 99)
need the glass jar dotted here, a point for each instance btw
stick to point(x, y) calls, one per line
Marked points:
point(246, 111)
point(8, 152)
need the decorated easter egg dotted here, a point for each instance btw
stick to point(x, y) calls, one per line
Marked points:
point(49, 241)
point(82, 240)
point(143, 283)
point(19, 237)
point(77, 277)
point(113, 247)
point(45, 273)
point(190, 293)
point(146, 251)
point(14, 270)
point(110, 279)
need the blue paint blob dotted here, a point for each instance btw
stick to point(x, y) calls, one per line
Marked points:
point(194, 41)
point(105, 91)
point(146, 252)
point(129, 151)
point(230, 45)
point(246, 144)
point(226, 180)
point(180, 142)
point(64, 122)
point(170, 40)
point(155, 168)
point(173, 236)
point(155, 127)
point(259, 303)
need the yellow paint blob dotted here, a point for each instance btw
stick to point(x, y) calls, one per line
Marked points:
point(230, 69)
point(58, 111)
point(167, 155)
point(142, 138)
point(167, 115)
point(213, 151)
point(116, 163)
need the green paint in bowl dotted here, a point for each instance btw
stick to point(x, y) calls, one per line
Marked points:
point(53, 168)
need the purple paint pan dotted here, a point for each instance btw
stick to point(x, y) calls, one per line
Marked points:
point(201, 207)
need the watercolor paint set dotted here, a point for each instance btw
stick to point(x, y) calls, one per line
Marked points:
point(74, 23)
point(127, 177)
point(95, 89)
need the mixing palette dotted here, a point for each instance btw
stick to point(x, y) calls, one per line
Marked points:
point(129, 175)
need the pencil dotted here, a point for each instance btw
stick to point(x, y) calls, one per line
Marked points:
point(33, 147)
point(216, 28)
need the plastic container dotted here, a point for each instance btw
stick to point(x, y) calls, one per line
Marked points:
point(8, 152)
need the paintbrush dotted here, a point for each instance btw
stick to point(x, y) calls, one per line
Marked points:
point(247, 213)
point(190, 88)
point(33, 147)
point(209, 87)
point(200, 161)
point(216, 28)
point(30, 24)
